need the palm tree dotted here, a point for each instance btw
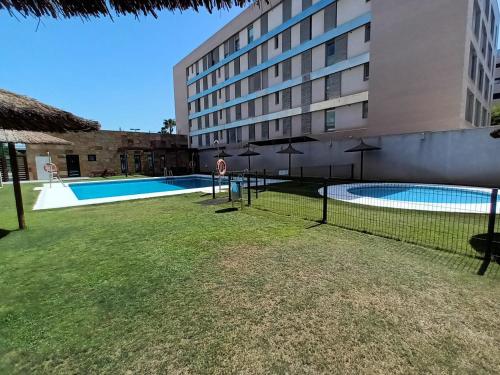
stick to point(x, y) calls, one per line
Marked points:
point(168, 126)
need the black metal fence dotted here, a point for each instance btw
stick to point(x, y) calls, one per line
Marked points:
point(460, 220)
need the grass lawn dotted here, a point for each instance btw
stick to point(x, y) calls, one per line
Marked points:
point(170, 285)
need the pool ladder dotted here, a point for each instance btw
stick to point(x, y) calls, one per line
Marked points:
point(167, 173)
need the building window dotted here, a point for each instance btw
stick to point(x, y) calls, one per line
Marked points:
point(276, 42)
point(368, 31)
point(220, 114)
point(207, 139)
point(251, 132)
point(366, 71)
point(330, 52)
point(472, 63)
point(236, 43)
point(484, 40)
point(329, 120)
point(476, 19)
point(276, 125)
point(365, 109)
point(250, 34)
point(276, 70)
point(484, 117)
point(265, 130)
point(480, 80)
point(216, 136)
point(486, 88)
point(91, 157)
point(469, 106)
point(493, 23)
point(477, 113)
point(276, 98)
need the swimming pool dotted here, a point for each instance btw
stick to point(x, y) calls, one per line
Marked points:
point(94, 190)
point(58, 195)
point(445, 198)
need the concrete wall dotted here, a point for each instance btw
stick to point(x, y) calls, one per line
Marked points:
point(467, 157)
point(421, 85)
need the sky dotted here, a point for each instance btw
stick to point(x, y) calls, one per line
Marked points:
point(118, 72)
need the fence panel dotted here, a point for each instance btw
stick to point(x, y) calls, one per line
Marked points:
point(455, 220)
point(290, 197)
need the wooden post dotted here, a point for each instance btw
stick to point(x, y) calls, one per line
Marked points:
point(17, 186)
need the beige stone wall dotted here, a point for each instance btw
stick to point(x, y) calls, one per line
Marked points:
point(107, 146)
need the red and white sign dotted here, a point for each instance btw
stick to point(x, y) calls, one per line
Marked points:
point(50, 167)
point(221, 167)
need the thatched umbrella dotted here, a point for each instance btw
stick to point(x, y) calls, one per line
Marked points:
point(248, 153)
point(290, 151)
point(97, 8)
point(27, 137)
point(362, 147)
point(18, 112)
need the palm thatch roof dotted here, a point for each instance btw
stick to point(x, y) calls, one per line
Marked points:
point(18, 112)
point(97, 8)
point(27, 137)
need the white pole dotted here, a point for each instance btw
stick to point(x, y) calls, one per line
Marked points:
point(51, 174)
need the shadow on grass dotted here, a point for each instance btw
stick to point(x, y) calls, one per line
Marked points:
point(4, 233)
point(479, 242)
point(226, 210)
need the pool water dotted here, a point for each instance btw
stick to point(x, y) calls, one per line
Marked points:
point(93, 190)
point(422, 194)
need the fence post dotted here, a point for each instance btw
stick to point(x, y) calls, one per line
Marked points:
point(352, 171)
point(491, 231)
point(301, 173)
point(256, 185)
point(248, 189)
point(325, 202)
point(229, 183)
point(330, 171)
point(213, 185)
point(264, 179)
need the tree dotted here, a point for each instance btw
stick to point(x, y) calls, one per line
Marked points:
point(168, 126)
point(495, 115)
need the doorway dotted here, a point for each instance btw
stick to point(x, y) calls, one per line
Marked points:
point(73, 165)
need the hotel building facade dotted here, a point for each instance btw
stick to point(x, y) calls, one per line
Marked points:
point(339, 69)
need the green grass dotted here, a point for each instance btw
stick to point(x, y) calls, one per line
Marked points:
point(170, 285)
point(446, 231)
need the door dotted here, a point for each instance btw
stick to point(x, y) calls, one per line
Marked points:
point(138, 164)
point(73, 165)
point(41, 173)
point(124, 163)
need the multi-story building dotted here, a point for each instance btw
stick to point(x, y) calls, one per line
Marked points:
point(333, 69)
point(496, 87)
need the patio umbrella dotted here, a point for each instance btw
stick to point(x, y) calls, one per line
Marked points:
point(249, 153)
point(222, 154)
point(362, 147)
point(290, 151)
point(11, 137)
point(18, 112)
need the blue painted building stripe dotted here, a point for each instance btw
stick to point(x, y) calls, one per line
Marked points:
point(274, 115)
point(271, 34)
point(342, 29)
point(338, 67)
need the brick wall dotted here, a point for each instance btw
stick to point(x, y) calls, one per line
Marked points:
point(107, 146)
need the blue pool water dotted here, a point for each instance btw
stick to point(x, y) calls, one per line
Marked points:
point(422, 194)
point(94, 190)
